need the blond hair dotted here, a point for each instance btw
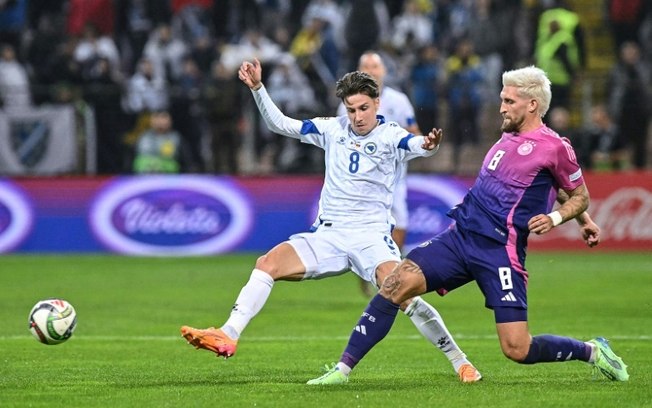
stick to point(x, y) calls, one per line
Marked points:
point(531, 82)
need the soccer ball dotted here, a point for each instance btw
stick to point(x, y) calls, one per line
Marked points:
point(52, 321)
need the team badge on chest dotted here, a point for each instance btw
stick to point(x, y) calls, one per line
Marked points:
point(526, 148)
point(370, 148)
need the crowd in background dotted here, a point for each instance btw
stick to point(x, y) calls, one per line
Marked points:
point(176, 60)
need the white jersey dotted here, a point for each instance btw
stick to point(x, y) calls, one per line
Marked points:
point(395, 106)
point(361, 171)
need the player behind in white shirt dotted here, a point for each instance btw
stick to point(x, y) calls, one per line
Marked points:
point(362, 155)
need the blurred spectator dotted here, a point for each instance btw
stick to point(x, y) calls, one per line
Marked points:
point(317, 55)
point(626, 18)
point(135, 20)
point(159, 149)
point(291, 91)
point(629, 97)
point(252, 44)
point(223, 98)
point(41, 49)
point(560, 50)
point(145, 91)
point(204, 50)
point(453, 19)
point(328, 11)
point(51, 9)
point(646, 37)
point(603, 147)
point(14, 82)
point(13, 20)
point(426, 81)
point(411, 29)
point(94, 45)
point(166, 52)
point(492, 41)
point(186, 111)
point(102, 90)
point(366, 23)
point(62, 73)
point(191, 19)
point(464, 96)
point(96, 12)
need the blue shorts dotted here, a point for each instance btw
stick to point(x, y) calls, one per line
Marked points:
point(457, 257)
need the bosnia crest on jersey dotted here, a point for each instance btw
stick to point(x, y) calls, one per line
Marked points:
point(370, 148)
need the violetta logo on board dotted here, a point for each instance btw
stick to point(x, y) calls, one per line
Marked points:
point(16, 217)
point(176, 215)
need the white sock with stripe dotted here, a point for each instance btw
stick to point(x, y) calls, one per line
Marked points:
point(250, 301)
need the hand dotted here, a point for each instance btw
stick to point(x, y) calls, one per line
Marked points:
point(540, 224)
point(432, 139)
point(590, 234)
point(251, 74)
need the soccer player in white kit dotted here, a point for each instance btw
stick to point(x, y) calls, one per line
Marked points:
point(362, 154)
point(395, 106)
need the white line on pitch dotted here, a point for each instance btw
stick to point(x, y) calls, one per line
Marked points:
point(81, 337)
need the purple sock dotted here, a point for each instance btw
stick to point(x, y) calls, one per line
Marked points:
point(547, 348)
point(373, 326)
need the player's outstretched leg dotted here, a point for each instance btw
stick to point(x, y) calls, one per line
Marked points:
point(431, 325)
point(224, 341)
point(607, 362)
point(372, 327)
point(210, 339)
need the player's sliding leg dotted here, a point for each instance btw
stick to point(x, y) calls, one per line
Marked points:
point(429, 322)
point(250, 301)
point(373, 326)
point(518, 345)
point(597, 352)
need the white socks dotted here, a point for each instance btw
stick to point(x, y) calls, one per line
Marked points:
point(432, 326)
point(250, 301)
point(343, 368)
point(592, 356)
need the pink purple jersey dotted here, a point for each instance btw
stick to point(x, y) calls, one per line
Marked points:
point(519, 178)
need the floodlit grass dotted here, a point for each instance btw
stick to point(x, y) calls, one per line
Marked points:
point(127, 352)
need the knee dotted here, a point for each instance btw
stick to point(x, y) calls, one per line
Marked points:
point(266, 264)
point(395, 289)
point(515, 351)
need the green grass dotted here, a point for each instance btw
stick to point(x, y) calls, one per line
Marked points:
point(127, 352)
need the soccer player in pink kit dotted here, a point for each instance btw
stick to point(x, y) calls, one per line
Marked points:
point(521, 176)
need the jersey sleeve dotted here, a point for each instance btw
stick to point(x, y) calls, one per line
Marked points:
point(409, 146)
point(566, 170)
point(275, 120)
point(315, 131)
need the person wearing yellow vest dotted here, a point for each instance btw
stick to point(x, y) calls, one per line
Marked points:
point(559, 51)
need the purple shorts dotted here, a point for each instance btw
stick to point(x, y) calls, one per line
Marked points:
point(457, 257)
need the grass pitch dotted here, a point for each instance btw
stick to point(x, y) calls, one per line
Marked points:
point(127, 352)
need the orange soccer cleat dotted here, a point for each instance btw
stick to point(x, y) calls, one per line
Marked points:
point(469, 374)
point(210, 339)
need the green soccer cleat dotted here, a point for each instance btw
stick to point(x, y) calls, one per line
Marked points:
point(607, 362)
point(333, 376)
